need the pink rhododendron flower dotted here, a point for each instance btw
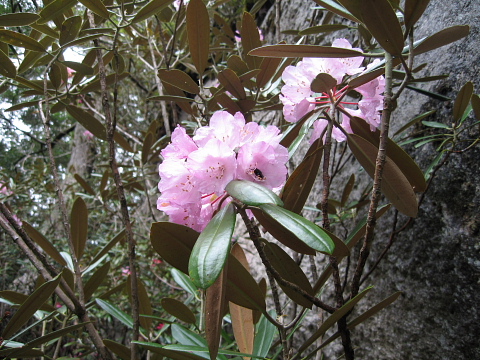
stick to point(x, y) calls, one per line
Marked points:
point(195, 171)
point(88, 135)
point(298, 99)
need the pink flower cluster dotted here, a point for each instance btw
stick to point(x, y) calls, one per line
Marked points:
point(195, 171)
point(298, 99)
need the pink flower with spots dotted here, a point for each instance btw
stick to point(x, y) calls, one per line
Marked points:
point(298, 99)
point(195, 171)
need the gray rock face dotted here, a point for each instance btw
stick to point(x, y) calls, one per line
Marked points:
point(435, 262)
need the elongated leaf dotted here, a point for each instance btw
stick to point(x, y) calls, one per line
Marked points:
point(282, 234)
point(268, 69)
point(171, 354)
point(18, 19)
point(177, 99)
point(442, 38)
point(54, 335)
point(264, 337)
point(242, 288)
point(32, 56)
point(19, 298)
point(250, 40)
point(70, 29)
point(462, 100)
point(347, 189)
point(81, 40)
point(211, 249)
point(179, 310)
point(338, 9)
point(187, 337)
point(191, 349)
point(179, 79)
point(7, 68)
point(306, 231)
point(290, 271)
point(88, 121)
point(147, 145)
point(118, 349)
point(173, 243)
point(415, 120)
point(300, 182)
point(242, 318)
point(251, 193)
point(395, 185)
point(286, 51)
point(214, 305)
point(120, 140)
point(95, 84)
point(413, 11)
point(84, 184)
point(79, 226)
point(54, 9)
point(198, 31)
point(476, 105)
point(20, 352)
point(402, 160)
point(78, 67)
point(96, 280)
point(42, 241)
point(150, 9)
point(31, 304)
point(382, 22)
point(332, 319)
point(232, 83)
point(236, 64)
point(21, 40)
point(108, 246)
point(366, 315)
point(184, 281)
point(97, 7)
point(114, 311)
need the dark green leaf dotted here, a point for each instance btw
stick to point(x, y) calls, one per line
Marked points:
point(250, 40)
point(462, 100)
point(212, 247)
point(476, 105)
point(78, 67)
point(415, 120)
point(232, 83)
point(18, 19)
point(70, 29)
point(179, 310)
point(96, 280)
point(395, 185)
point(300, 182)
point(323, 83)
point(79, 226)
point(264, 337)
point(54, 9)
point(145, 307)
point(268, 69)
point(107, 247)
point(322, 29)
point(413, 11)
point(198, 31)
point(338, 9)
point(118, 349)
point(442, 38)
point(21, 40)
point(290, 271)
point(150, 9)
point(251, 193)
point(286, 51)
point(171, 354)
point(19, 298)
point(435, 124)
point(382, 22)
point(401, 159)
point(7, 68)
point(173, 243)
point(46, 245)
point(84, 184)
point(332, 319)
point(54, 335)
point(179, 79)
point(114, 311)
point(306, 231)
point(30, 306)
point(347, 189)
point(88, 121)
point(81, 40)
point(184, 281)
point(97, 7)
point(431, 94)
